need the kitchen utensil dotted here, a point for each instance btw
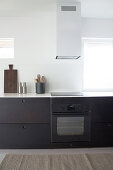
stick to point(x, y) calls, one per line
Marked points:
point(40, 87)
point(38, 78)
point(43, 80)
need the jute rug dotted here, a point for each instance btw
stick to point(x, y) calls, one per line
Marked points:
point(89, 161)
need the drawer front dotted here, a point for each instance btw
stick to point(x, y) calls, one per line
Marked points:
point(22, 110)
point(102, 109)
point(102, 134)
point(24, 136)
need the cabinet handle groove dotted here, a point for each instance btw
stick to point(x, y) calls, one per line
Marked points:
point(24, 127)
point(23, 101)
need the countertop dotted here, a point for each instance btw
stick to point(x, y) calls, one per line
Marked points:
point(45, 95)
point(28, 95)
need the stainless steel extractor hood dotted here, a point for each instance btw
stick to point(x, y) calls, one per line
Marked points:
point(68, 29)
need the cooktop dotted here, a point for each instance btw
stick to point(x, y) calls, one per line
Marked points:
point(66, 94)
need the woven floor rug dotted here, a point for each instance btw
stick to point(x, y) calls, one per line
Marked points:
point(88, 161)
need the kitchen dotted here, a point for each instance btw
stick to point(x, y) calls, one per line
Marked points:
point(38, 39)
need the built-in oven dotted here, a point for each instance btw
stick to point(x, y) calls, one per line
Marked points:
point(70, 122)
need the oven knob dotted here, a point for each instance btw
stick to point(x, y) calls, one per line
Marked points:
point(71, 107)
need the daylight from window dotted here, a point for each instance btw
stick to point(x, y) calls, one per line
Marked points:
point(98, 64)
point(6, 48)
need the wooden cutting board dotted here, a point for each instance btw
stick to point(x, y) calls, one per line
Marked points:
point(10, 80)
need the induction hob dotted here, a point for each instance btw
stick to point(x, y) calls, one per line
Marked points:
point(66, 94)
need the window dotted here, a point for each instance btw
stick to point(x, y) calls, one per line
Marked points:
point(6, 47)
point(98, 64)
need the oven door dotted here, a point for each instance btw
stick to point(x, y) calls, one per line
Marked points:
point(70, 128)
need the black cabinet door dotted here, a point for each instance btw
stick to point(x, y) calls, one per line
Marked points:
point(24, 110)
point(102, 134)
point(24, 136)
point(102, 109)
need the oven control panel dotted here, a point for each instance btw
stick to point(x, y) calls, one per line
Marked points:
point(68, 108)
point(70, 105)
point(75, 107)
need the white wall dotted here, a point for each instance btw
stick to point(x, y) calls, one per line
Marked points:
point(35, 50)
point(34, 42)
point(97, 28)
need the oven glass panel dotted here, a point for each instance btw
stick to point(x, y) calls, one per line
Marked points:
point(70, 126)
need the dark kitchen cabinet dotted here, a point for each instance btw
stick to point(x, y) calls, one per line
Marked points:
point(31, 136)
point(24, 122)
point(24, 110)
point(102, 109)
point(102, 121)
point(28, 122)
point(102, 134)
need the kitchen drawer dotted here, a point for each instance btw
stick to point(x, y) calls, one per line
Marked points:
point(102, 109)
point(24, 110)
point(24, 136)
point(102, 134)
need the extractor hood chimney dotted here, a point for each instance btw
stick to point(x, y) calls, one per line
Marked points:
point(68, 29)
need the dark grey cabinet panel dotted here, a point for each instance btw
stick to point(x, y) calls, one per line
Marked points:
point(102, 134)
point(102, 121)
point(24, 110)
point(102, 109)
point(24, 136)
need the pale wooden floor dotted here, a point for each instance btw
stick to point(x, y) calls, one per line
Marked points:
point(3, 152)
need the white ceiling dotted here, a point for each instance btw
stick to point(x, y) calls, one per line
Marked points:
point(89, 8)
